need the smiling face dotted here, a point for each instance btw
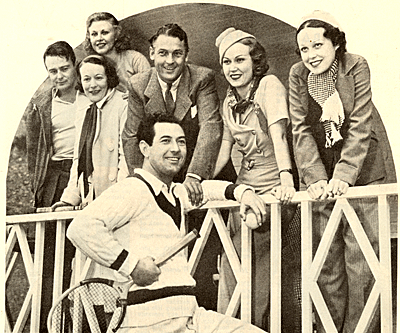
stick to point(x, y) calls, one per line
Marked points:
point(238, 67)
point(165, 157)
point(102, 35)
point(169, 56)
point(317, 52)
point(62, 73)
point(94, 81)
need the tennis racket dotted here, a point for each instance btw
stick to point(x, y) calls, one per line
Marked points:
point(58, 209)
point(99, 305)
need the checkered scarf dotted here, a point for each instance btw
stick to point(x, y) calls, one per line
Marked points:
point(322, 89)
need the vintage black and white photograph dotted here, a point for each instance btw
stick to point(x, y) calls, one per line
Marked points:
point(205, 167)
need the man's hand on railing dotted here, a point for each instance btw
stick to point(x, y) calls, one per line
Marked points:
point(257, 214)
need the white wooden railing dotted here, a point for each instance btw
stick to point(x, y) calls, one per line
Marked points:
point(381, 268)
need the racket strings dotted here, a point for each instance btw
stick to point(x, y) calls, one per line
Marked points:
point(89, 308)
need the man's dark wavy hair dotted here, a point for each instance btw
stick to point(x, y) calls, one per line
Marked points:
point(60, 49)
point(172, 30)
point(146, 130)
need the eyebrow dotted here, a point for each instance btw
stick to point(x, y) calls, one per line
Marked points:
point(165, 136)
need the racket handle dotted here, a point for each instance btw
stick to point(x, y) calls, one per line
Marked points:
point(176, 248)
point(58, 209)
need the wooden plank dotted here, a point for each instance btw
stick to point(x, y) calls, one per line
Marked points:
point(36, 283)
point(205, 231)
point(306, 258)
point(385, 261)
point(276, 266)
point(59, 259)
point(245, 276)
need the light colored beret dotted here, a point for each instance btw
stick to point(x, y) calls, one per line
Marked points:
point(229, 37)
point(321, 16)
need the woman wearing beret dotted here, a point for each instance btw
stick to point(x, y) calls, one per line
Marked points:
point(255, 115)
point(336, 146)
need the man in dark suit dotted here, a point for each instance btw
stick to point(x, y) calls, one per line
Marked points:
point(184, 90)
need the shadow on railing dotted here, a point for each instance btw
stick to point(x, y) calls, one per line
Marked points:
point(311, 295)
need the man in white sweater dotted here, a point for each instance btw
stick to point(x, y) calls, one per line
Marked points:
point(137, 219)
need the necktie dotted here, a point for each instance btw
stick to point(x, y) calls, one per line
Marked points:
point(85, 162)
point(169, 101)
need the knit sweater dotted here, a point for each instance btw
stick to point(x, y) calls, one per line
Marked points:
point(126, 218)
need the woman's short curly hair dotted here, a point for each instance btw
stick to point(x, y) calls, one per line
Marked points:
point(337, 37)
point(258, 56)
point(109, 69)
point(122, 42)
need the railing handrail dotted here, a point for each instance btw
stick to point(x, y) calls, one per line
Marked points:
point(242, 295)
point(352, 193)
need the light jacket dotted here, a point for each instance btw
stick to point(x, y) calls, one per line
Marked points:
point(108, 158)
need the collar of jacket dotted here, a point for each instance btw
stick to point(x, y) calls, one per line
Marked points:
point(344, 84)
point(153, 93)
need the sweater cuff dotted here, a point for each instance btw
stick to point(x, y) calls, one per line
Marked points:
point(193, 175)
point(239, 190)
point(128, 265)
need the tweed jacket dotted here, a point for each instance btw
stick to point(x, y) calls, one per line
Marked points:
point(39, 140)
point(197, 109)
point(360, 160)
point(108, 159)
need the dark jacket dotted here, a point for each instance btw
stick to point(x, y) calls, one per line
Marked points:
point(197, 109)
point(359, 157)
point(39, 140)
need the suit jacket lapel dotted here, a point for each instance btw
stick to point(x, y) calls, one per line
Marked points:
point(303, 90)
point(183, 102)
point(345, 86)
point(155, 103)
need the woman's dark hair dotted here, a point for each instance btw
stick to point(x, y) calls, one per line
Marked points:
point(109, 69)
point(146, 131)
point(337, 37)
point(60, 49)
point(171, 30)
point(122, 41)
point(258, 56)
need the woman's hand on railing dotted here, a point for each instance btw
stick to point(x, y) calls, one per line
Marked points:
point(322, 190)
point(283, 193)
point(336, 187)
point(252, 209)
point(59, 204)
point(318, 190)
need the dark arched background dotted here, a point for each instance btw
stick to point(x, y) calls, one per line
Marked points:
point(203, 23)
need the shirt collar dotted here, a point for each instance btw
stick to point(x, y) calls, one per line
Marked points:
point(154, 182)
point(54, 94)
point(164, 84)
point(108, 96)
